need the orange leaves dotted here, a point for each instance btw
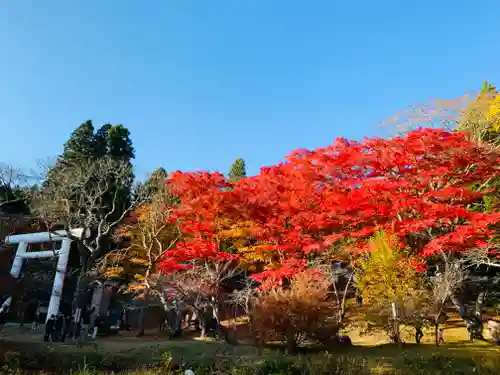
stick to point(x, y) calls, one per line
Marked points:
point(146, 234)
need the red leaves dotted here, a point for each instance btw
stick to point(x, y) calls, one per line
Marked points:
point(417, 184)
point(287, 269)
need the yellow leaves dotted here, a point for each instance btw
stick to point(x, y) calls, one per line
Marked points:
point(146, 234)
point(494, 109)
point(253, 254)
point(493, 114)
point(139, 261)
point(482, 117)
point(385, 273)
point(239, 236)
point(139, 290)
point(113, 272)
point(139, 278)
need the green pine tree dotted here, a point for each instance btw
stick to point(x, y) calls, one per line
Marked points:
point(238, 170)
point(86, 144)
point(81, 144)
point(119, 142)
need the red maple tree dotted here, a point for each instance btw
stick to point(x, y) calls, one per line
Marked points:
point(419, 186)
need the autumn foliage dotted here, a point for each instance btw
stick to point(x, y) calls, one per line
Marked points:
point(420, 188)
point(302, 311)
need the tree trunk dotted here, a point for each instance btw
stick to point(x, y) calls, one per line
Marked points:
point(79, 300)
point(291, 343)
point(480, 301)
point(202, 319)
point(459, 306)
point(141, 322)
point(475, 317)
point(436, 333)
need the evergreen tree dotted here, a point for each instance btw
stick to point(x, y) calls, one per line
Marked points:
point(81, 144)
point(155, 184)
point(238, 170)
point(85, 144)
point(101, 141)
point(119, 142)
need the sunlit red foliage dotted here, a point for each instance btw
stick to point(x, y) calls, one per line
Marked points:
point(415, 186)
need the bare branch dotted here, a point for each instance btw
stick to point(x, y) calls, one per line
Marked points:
point(434, 113)
point(85, 194)
point(486, 256)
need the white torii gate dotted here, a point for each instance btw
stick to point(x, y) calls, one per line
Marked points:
point(23, 240)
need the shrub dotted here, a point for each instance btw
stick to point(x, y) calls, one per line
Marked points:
point(302, 311)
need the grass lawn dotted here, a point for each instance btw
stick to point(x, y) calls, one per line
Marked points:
point(372, 349)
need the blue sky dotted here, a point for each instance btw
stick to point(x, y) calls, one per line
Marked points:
point(200, 83)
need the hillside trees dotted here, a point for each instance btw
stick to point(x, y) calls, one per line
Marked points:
point(419, 188)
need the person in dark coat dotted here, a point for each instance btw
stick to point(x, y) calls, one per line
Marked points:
point(419, 333)
point(58, 327)
point(66, 327)
point(37, 316)
point(86, 317)
point(3, 318)
point(49, 328)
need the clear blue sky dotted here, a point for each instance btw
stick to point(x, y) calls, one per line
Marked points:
point(200, 83)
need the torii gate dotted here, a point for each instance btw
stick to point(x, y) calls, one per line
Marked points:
point(23, 240)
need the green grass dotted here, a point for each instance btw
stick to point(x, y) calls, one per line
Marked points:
point(370, 355)
point(242, 359)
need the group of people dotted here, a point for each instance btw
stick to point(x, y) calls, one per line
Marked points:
point(57, 328)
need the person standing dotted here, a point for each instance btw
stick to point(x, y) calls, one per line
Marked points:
point(418, 332)
point(441, 336)
point(36, 318)
point(58, 327)
point(98, 326)
point(49, 329)
point(3, 318)
point(66, 327)
point(86, 316)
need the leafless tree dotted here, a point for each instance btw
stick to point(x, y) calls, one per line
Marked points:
point(86, 194)
point(201, 287)
point(474, 259)
point(486, 256)
point(342, 281)
point(245, 298)
point(16, 186)
point(434, 113)
point(444, 286)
